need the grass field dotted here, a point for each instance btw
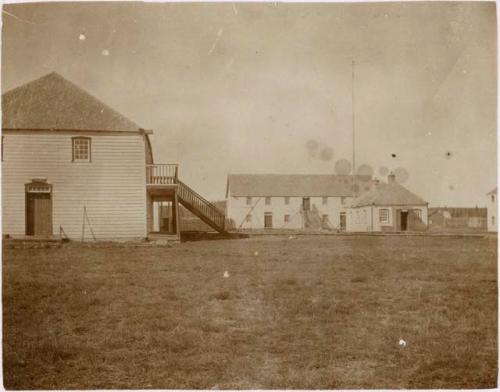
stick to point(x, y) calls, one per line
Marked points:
point(310, 312)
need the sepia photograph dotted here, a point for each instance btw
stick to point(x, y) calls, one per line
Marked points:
point(249, 195)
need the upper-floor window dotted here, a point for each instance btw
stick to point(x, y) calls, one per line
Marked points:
point(82, 149)
point(383, 215)
point(287, 218)
point(418, 213)
point(268, 201)
point(249, 218)
point(287, 200)
point(249, 201)
point(325, 200)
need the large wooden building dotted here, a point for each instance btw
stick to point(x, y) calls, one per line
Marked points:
point(71, 165)
point(331, 202)
point(290, 201)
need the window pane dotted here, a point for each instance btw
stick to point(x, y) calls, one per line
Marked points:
point(384, 216)
point(81, 149)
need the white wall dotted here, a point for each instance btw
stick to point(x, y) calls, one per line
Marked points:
point(360, 219)
point(237, 209)
point(112, 186)
point(492, 207)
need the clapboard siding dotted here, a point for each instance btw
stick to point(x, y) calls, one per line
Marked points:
point(112, 187)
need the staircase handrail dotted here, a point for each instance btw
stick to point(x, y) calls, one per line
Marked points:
point(205, 201)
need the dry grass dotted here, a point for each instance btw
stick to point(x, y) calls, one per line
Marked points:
point(312, 312)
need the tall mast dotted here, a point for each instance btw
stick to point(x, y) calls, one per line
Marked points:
point(353, 134)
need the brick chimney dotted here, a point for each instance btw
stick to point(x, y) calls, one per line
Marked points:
point(391, 178)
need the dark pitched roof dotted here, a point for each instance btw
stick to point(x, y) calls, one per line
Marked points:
point(54, 103)
point(387, 194)
point(459, 212)
point(293, 185)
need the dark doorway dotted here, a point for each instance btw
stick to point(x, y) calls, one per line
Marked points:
point(268, 220)
point(166, 214)
point(38, 214)
point(404, 220)
point(306, 203)
point(325, 222)
point(342, 221)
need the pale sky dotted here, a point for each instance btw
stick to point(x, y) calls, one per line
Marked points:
point(266, 88)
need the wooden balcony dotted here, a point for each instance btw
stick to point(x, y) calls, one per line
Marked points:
point(163, 184)
point(161, 174)
point(161, 180)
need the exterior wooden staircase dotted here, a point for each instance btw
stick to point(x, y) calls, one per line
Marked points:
point(313, 220)
point(162, 179)
point(201, 207)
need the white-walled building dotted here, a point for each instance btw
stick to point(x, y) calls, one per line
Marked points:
point(73, 165)
point(387, 207)
point(296, 201)
point(63, 150)
point(492, 206)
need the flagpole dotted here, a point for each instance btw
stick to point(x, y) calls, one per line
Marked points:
point(353, 133)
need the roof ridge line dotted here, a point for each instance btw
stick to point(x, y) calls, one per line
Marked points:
point(83, 91)
point(55, 82)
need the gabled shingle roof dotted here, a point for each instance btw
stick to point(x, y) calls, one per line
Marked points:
point(388, 194)
point(293, 185)
point(54, 103)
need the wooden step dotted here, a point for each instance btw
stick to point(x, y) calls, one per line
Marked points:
point(201, 207)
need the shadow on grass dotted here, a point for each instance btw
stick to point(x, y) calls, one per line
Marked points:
point(188, 236)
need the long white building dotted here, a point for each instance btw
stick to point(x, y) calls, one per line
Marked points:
point(295, 201)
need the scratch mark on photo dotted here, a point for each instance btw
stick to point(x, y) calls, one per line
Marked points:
point(18, 18)
point(219, 34)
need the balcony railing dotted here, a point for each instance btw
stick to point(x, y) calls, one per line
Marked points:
point(161, 174)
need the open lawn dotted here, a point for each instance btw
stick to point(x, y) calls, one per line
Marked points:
point(309, 312)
